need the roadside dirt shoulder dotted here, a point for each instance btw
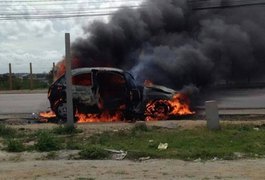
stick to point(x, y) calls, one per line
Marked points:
point(34, 165)
point(151, 169)
point(26, 91)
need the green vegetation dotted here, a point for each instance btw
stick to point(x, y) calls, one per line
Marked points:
point(66, 130)
point(14, 145)
point(7, 132)
point(51, 155)
point(83, 178)
point(19, 84)
point(93, 152)
point(231, 142)
point(187, 144)
point(139, 126)
point(46, 141)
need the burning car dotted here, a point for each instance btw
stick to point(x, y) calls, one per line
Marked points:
point(111, 94)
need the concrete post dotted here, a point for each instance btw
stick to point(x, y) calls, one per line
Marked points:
point(53, 71)
point(69, 99)
point(10, 77)
point(31, 76)
point(212, 115)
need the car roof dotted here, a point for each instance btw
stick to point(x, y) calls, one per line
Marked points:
point(87, 70)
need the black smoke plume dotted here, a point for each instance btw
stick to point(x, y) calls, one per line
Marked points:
point(169, 43)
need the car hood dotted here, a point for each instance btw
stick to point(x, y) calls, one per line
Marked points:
point(160, 88)
point(153, 91)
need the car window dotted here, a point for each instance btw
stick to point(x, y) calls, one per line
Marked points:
point(82, 79)
point(111, 79)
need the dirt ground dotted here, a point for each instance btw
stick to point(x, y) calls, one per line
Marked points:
point(150, 169)
point(29, 165)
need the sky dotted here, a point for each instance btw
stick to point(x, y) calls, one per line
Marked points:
point(41, 41)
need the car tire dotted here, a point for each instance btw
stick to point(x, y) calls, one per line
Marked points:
point(160, 110)
point(61, 111)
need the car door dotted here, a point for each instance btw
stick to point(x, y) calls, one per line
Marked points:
point(82, 89)
point(112, 89)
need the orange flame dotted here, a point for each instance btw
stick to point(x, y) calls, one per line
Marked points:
point(163, 109)
point(103, 117)
point(59, 69)
point(155, 110)
point(47, 114)
point(88, 118)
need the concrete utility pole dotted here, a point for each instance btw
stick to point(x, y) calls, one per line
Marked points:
point(69, 98)
point(31, 77)
point(10, 77)
point(53, 71)
point(212, 115)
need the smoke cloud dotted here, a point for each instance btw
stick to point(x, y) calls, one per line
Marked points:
point(169, 43)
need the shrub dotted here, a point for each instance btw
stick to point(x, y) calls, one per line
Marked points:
point(139, 128)
point(51, 155)
point(7, 131)
point(47, 142)
point(66, 130)
point(93, 152)
point(73, 144)
point(14, 145)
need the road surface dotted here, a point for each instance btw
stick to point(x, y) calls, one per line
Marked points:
point(23, 103)
point(29, 103)
point(242, 98)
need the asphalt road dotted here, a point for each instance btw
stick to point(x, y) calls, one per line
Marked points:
point(23, 103)
point(240, 98)
point(29, 103)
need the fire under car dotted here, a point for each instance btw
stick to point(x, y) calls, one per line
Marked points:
point(99, 90)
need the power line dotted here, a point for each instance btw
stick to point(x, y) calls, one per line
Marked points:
point(44, 1)
point(227, 6)
point(56, 17)
point(62, 3)
point(87, 10)
point(36, 1)
point(66, 15)
point(200, 5)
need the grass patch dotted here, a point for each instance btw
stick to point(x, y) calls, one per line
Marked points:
point(47, 142)
point(186, 144)
point(73, 144)
point(14, 145)
point(51, 155)
point(231, 142)
point(140, 127)
point(7, 132)
point(66, 130)
point(93, 152)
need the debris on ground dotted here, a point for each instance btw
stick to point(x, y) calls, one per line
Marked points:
point(162, 146)
point(198, 160)
point(35, 116)
point(144, 158)
point(117, 154)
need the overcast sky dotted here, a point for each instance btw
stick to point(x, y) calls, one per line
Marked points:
point(42, 41)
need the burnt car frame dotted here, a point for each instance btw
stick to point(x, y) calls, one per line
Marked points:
point(98, 89)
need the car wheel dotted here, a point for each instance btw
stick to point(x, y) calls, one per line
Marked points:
point(158, 110)
point(61, 110)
